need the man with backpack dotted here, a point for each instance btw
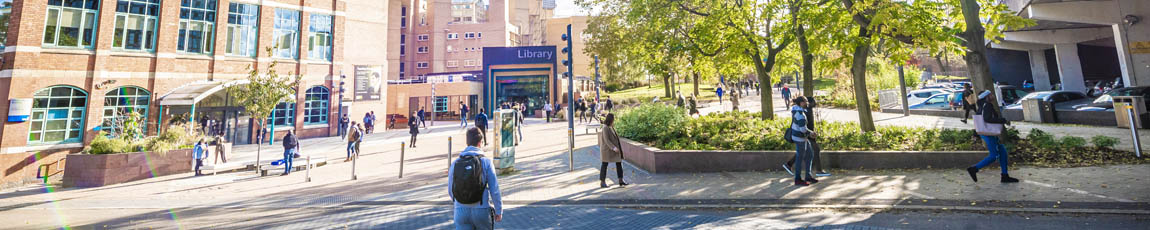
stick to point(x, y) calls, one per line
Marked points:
point(471, 182)
point(481, 123)
point(463, 115)
point(290, 143)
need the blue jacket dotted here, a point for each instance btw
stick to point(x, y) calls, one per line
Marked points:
point(481, 120)
point(492, 191)
point(199, 153)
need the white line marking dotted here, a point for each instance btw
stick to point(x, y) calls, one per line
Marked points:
point(1077, 191)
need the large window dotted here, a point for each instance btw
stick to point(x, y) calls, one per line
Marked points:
point(319, 37)
point(136, 24)
point(57, 115)
point(316, 105)
point(421, 49)
point(120, 103)
point(71, 23)
point(286, 34)
point(197, 20)
point(441, 104)
point(403, 17)
point(421, 65)
point(283, 115)
point(242, 29)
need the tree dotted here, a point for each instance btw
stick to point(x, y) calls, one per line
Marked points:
point(973, 38)
point(263, 92)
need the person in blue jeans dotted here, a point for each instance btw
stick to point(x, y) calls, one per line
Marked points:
point(290, 144)
point(199, 153)
point(991, 114)
point(489, 210)
point(481, 123)
point(462, 115)
point(803, 150)
point(354, 135)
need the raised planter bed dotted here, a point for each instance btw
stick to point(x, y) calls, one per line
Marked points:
point(655, 160)
point(89, 170)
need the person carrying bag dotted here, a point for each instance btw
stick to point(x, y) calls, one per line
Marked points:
point(989, 124)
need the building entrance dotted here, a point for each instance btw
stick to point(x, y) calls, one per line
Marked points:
point(531, 91)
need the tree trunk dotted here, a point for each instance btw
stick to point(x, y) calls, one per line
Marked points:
point(976, 62)
point(667, 85)
point(696, 81)
point(808, 61)
point(858, 70)
point(941, 66)
point(763, 72)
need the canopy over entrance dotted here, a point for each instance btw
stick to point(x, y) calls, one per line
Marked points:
point(194, 92)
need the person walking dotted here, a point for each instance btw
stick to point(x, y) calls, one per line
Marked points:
point(816, 149)
point(968, 102)
point(581, 108)
point(481, 123)
point(593, 106)
point(547, 111)
point(343, 122)
point(199, 153)
point(367, 122)
point(422, 118)
point(786, 91)
point(474, 187)
point(719, 92)
point(462, 115)
point(734, 100)
point(413, 129)
point(220, 155)
point(354, 135)
point(680, 102)
point(692, 106)
point(611, 150)
point(989, 123)
point(610, 106)
point(799, 133)
point(520, 115)
point(290, 147)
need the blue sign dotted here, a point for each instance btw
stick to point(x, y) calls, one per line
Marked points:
point(517, 55)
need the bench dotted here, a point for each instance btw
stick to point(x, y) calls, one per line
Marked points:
point(298, 164)
point(592, 126)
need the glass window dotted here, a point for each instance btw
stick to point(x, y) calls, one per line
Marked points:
point(421, 65)
point(197, 20)
point(316, 105)
point(70, 23)
point(283, 115)
point(286, 34)
point(440, 104)
point(121, 102)
point(57, 115)
point(242, 29)
point(402, 50)
point(319, 37)
point(422, 49)
point(135, 27)
point(452, 36)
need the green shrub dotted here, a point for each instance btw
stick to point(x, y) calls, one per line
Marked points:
point(1103, 141)
point(652, 122)
point(1041, 139)
point(1072, 142)
point(104, 145)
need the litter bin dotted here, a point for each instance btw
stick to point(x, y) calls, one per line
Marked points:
point(1038, 111)
point(1121, 113)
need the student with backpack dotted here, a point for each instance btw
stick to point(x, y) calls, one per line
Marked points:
point(481, 123)
point(471, 182)
point(798, 132)
point(290, 147)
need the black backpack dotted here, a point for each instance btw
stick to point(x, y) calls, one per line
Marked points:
point(467, 182)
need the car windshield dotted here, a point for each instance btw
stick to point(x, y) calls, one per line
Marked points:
point(1038, 95)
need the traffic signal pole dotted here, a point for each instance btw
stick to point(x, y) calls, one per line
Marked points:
point(570, 99)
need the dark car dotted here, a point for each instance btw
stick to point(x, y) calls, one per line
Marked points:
point(1106, 101)
point(1063, 100)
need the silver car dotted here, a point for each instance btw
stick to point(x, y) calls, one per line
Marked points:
point(1063, 100)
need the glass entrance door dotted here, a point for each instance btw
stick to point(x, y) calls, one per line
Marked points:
point(529, 90)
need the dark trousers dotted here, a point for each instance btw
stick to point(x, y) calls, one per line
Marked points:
point(966, 111)
point(816, 164)
point(618, 171)
point(199, 162)
point(413, 139)
point(548, 116)
point(342, 130)
point(483, 129)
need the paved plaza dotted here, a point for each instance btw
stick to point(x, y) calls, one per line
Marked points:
point(544, 193)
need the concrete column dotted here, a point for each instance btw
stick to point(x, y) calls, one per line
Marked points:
point(1135, 66)
point(1038, 70)
point(1070, 67)
point(1122, 45)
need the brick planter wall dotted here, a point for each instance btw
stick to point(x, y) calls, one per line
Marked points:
point(88, 170)
point(656, 160)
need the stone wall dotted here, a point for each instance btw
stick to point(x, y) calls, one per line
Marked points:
point(88, 170)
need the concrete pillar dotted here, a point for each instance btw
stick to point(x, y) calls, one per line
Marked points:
point(1070, 67)
point(1038, 70)
point(1135, 66)
point(1122, 45)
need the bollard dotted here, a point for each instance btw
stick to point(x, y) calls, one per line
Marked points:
point(401, 151)
point(307, 175)
point(354, 158)
point(449, 152)
point(571, 150)
point(1134, 131)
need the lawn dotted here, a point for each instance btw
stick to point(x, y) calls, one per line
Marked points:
point(644, 93)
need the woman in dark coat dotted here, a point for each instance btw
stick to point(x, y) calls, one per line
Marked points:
point(413, 126)
point(611, 150)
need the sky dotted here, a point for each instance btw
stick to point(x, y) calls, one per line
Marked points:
point(567, 8)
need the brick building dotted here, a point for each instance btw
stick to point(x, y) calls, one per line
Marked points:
point(73, 67)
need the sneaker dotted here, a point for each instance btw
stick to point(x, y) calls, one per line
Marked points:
point(973, 173)
point(963, 121)
point(801, 183)
point(1007, 179)
point(602, 184)
point(812, 181)
point(788, 168)
point(823, 174)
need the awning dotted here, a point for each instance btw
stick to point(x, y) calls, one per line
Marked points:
point(194, 92)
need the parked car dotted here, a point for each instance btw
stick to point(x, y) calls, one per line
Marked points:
point(1106, 101)
point(936, 102)
point(918, 96)
point(1011, 94)
point(1063, 100)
